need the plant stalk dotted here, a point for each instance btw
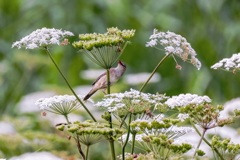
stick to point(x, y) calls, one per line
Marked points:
point(76, 139)
point(153, 72)
point(133, 142)
point(69, 85)
point(87, 151)
point(200, 141)
point(125, 144)
point(66, 117)
point(205, 140)
point(79, 147)
point(111, 141)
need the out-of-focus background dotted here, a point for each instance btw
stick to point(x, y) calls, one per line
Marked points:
point(212, 28)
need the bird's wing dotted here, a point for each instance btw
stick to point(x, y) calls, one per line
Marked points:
point(99, 78)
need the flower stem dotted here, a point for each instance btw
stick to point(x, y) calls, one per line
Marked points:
point(125, 144)
point(69, 85)
point(108, 81)
point(215, 149)
point(79, 147)
point(199, 143)
point(87, 151)
point(133, 142)
point(111, 141)
point(66, 117)
point(76, 138)
point(153, 72)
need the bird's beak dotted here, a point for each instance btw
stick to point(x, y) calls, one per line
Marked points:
point(121, 63)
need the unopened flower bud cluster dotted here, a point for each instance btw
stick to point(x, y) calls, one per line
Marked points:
point(164, 142)
point(42, 38)
point(166, 126)
point(131, 101)
point(114, 37)
point(174, 44)
point(89, 127)
point(205, 115)
point(139, 156)
point(228, 149)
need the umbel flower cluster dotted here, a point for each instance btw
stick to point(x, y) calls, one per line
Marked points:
point(104, 49)
point(174, 44)
point(133, 101)
point(229, 64)
point(199, 110)
point(113, 37)
point(228, 149)
point(185, 99)
point(60, 104)
point(42, 38)
point(90, 132)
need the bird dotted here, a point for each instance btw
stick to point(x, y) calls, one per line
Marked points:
point(101, 81)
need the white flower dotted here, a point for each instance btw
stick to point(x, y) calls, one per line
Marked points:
point(182, 116)
point(174, 44)
point(186, 99)
point(42, 38)
point(62, 104)
point(228, 63)
point(133, 99)
point(152, 43)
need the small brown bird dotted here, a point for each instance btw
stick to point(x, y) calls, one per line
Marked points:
point(101, 81)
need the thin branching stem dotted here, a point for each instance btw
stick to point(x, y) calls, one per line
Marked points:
point(200, 141)
point(154, 71)
point(69, 85)
point(76, 138)
point(133, 142)
point(126, 142)
point(205, 140)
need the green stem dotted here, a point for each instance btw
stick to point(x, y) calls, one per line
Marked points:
point(153, 72)
point(87, 151)
point(77, 140)
point(66, 117)
point(205, 140)
point(111, 141)
point(133, 142)
point(126, 142)
point(108, 81)
point(199, 143)
point(69, 85)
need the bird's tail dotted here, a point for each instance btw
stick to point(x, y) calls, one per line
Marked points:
point(90, 94)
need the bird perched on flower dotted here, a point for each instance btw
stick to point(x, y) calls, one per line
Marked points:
point(101, 81)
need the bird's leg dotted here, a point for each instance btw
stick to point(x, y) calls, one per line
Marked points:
point(103, 90)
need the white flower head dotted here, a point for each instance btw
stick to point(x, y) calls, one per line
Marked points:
point(61, 104)
point(228, 63)
point(174, 44)
point(42, 38)
point(130, 101)
point(186, 99)
point(182, 116)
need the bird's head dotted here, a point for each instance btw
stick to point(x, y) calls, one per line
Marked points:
point(122, 64)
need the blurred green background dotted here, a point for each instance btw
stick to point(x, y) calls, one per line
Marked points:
point(212, 27)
